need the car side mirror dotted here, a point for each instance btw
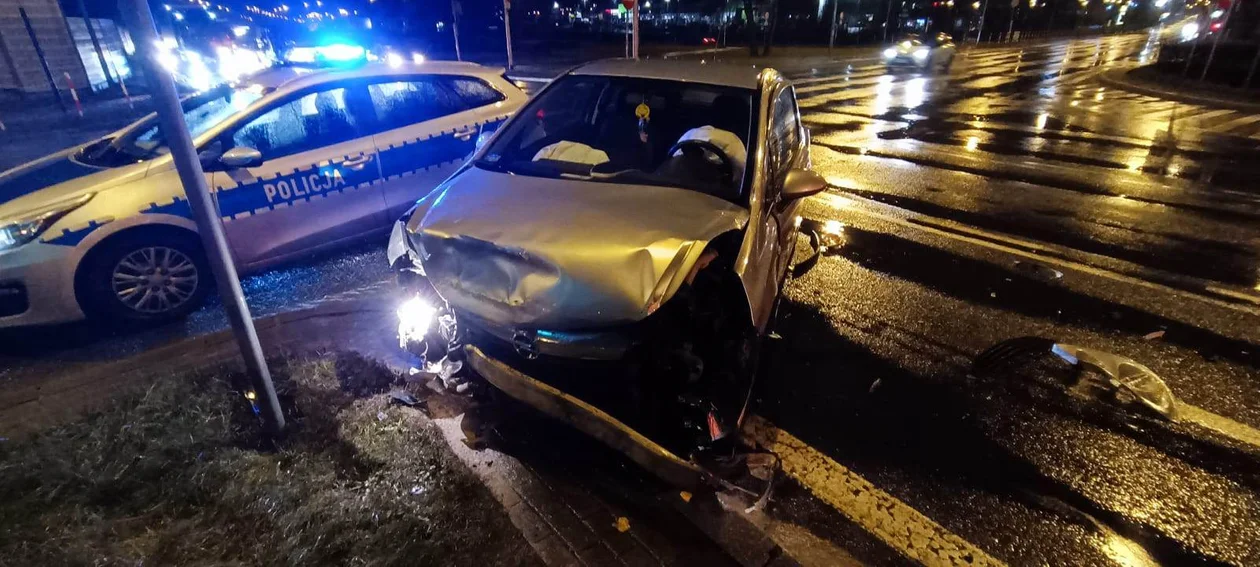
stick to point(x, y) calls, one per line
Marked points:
point(241, 156)
point(487, 131)
point(801, 183)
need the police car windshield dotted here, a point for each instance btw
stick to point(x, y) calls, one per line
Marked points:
point(631, 130)
point(202, 112)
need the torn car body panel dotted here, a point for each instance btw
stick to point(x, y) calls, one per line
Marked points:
point(531, 252)
point(588, 419)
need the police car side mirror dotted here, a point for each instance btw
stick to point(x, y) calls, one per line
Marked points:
point(241, 156)
point(487, 130)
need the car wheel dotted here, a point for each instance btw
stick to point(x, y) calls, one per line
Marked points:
point(146, 278)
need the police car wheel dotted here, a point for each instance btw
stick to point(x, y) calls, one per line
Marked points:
point(147, 279)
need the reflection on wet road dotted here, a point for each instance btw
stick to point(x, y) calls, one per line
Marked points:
point(1052, 155)
point(1017, 196)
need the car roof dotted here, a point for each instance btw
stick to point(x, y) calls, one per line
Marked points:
point(690, 71)
point(292, 78)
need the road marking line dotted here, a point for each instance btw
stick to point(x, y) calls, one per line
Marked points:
point(845, 202)
point(1207, 115)
point(894, 522)
point(1220, 424)
point(1237, 123)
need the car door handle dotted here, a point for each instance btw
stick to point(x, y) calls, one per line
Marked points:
point(356, 163)
point(465, 134)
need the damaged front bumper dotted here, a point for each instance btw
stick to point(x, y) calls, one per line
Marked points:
point(574, 345)
point(586, 418)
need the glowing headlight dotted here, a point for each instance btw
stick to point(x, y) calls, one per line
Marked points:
point(1189, 31)
point(199, 76)
point(921, 53)
point(21, 230)
point(414, 319)
point(417, 58)
point(168, 60)
point(890, 53)
point(393, 59)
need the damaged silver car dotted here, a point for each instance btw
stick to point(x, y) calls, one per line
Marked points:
point(614, 254)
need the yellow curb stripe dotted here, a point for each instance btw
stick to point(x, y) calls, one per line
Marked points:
point(892, 521)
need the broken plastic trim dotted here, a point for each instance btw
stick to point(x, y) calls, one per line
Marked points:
point(1124, 374)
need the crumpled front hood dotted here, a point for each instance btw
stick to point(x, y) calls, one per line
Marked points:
point(539, 253)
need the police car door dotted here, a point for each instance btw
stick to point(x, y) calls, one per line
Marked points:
point(433, 122)
point(314, 185)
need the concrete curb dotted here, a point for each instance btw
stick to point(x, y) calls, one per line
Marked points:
point(1119, 78)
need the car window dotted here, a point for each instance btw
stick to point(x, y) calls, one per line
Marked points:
point(202, 112)
point(315, 120)
point(785, 132)
point(473, 92)
point(400, 103)
point(631, 130)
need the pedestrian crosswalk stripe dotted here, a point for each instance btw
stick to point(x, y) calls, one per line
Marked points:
point(1238, 123)
point(894, 522)
point(1207, 115)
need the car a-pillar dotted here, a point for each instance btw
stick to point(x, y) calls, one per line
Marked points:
point(143, 274)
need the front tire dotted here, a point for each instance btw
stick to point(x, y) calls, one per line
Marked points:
point(146, 278)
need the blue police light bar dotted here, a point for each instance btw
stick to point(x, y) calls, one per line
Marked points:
point(330, 54)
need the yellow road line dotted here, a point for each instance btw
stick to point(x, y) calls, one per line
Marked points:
point(892, 521)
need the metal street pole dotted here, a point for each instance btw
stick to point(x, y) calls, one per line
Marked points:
point(888, 20)
point(1010, 28)
point(456, 11)
point(1217, 39)
point(507, 29)
point(96, 44)
point(635, 27)
point(205, 213)
point(1251, 73)
point(831, 39)
point(43, 62)
point(980, 27)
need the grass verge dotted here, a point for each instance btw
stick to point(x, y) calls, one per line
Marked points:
point(177, 475)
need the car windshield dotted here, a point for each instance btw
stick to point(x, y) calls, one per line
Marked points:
point(202, 112)
point(633, 131)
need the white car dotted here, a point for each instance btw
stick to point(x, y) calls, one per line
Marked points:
point(299, 160)
point(922, 52)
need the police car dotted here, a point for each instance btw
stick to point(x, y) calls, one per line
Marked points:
point(298, 159)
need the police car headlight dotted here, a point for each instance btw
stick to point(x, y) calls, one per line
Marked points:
point(921, 53)
point(20, 230)
point(890, 53)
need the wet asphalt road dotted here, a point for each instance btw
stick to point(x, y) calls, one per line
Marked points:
point(1018, 196)
point(1015, 195)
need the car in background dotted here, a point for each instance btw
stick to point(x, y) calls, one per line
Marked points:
point(298, 160)
point(922, 52)
point(614, 254)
